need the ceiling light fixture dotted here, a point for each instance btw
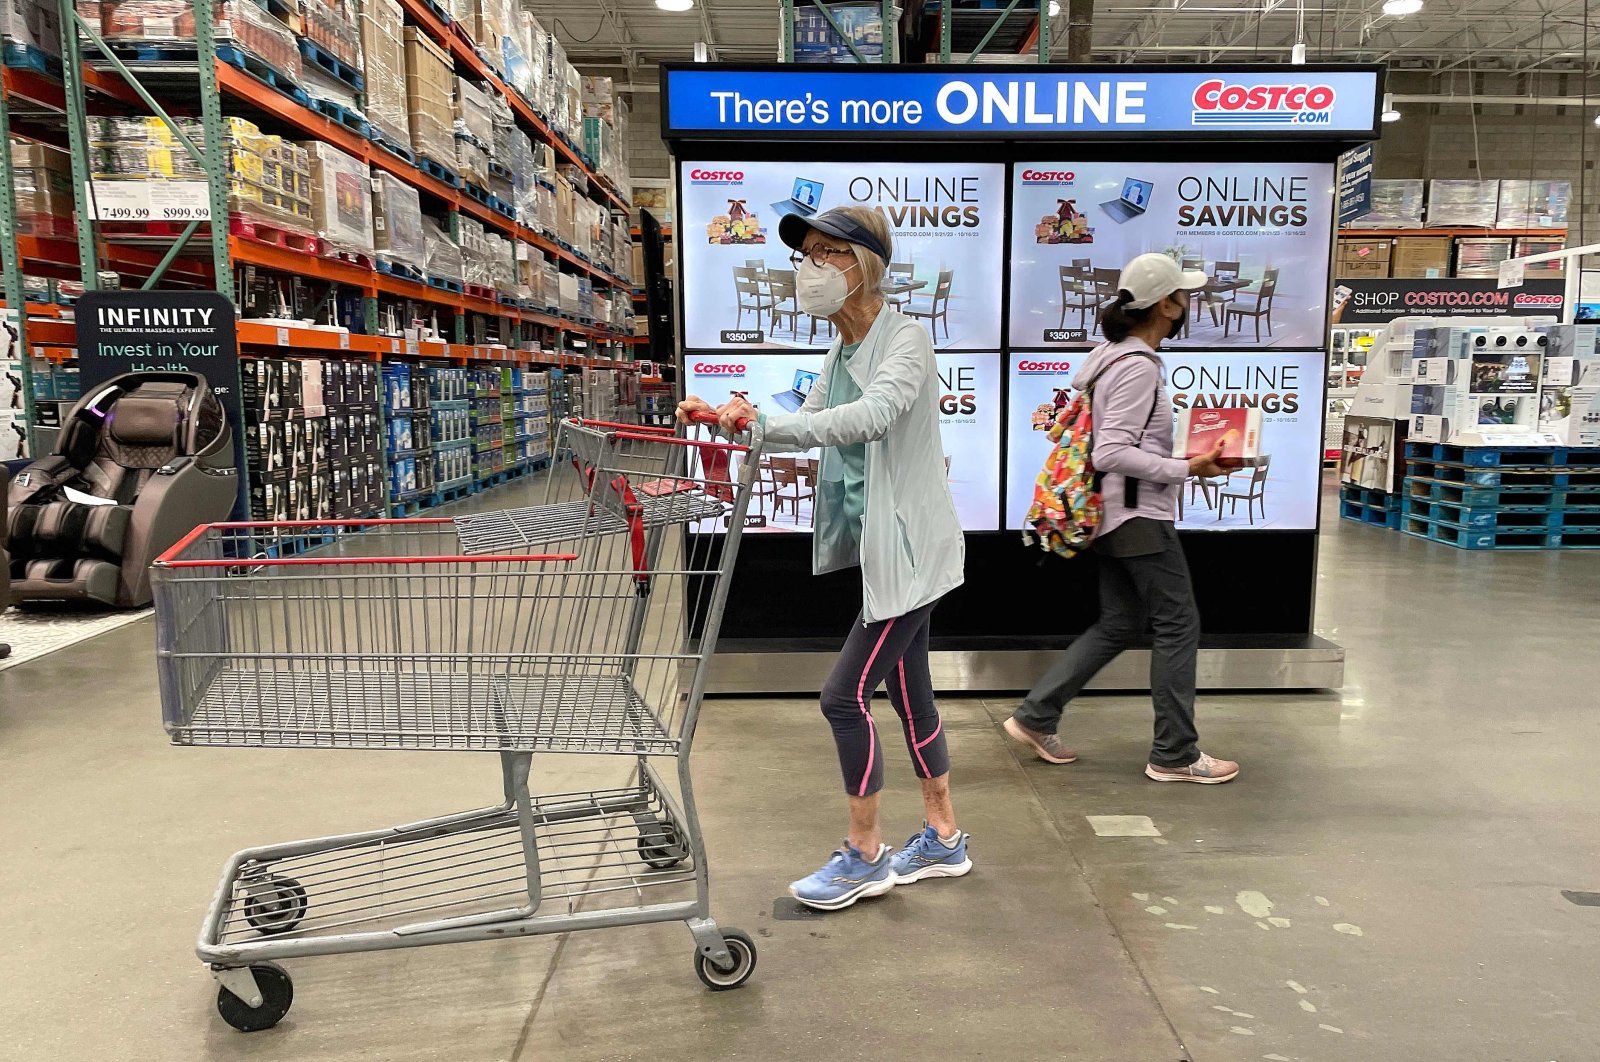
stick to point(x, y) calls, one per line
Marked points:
point(1389, 113)
point(1392, 8)
point(675, 5)
point(1055, 8)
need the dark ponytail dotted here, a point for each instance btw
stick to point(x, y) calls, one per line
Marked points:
point(1119, 319)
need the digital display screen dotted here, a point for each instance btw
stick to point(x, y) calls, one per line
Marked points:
point(1287, 388)
point(969, 425)
point(948, 229)
point(1260, 233)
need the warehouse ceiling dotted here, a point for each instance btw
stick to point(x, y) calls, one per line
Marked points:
point(1447, 37)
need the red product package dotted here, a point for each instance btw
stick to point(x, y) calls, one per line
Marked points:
point(1238, 430)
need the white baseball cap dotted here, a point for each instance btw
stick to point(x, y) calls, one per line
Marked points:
point(1151, 277)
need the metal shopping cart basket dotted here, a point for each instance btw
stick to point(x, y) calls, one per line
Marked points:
point(582, 626)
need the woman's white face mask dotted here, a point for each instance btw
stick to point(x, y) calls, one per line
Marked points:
point(821, 290)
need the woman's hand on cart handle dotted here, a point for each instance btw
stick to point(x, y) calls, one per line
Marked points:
point(693, 408)
point(736, 415)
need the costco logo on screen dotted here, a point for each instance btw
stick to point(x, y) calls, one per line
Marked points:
point(1059, 177)
point(1550, 301)
point(723, 369)
point(1027, 367)
point(707, 176)
point(1217, 103)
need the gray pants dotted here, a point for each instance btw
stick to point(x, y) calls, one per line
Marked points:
point(1150, 592)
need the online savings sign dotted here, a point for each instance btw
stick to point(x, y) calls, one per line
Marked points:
point(1287, 101)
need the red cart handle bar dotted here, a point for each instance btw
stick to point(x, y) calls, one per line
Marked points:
point(168, 559)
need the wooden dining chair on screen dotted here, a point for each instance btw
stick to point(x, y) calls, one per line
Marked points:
point(1076, 294)
point(748, 289)
point(781, 293)
point(1217, 301)
point(938, 308)
point(1257, 310)
point(900, 273)
point(1252, 491)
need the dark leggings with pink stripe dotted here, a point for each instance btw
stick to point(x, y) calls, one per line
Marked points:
point(894, 653)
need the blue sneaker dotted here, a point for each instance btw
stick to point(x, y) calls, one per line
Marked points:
point(844, 879)
point(925, 856)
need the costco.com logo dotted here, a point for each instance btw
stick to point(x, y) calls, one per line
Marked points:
point(718, 368)
point(1217, 103)
point(1552, 301)
point(1048, 176)
point(1043, 368)
point(698, 176)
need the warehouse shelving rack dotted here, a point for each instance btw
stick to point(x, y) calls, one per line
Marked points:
point(38, 106)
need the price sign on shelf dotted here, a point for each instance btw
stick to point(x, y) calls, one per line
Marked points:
point(180, 201)
point(120, 200)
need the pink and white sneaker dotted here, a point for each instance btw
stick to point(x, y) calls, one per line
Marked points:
point(1047, 747)
point(1207, 770)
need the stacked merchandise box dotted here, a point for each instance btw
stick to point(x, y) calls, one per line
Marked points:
point(503, 157)
point(1481, 257)
point(1363, 258)
point(568, 288)
point(517, 52)
point(269, 178)
point(341, 199)
point(383, 54)
point(450, 427)
point(1569, 395)
point(473, 128)
point(1395, 205)
point(1463, 203)
point(599, 99)
point(488, 423)
point(503, 266)
point(530, 275)
point(397, 222)
point(1532, 245)
point(566, 213)
point(408, 417)
point(430, 91)
point(32, 31)
point(238, 24)
point(1533, 204)
point(1426, 257)
point(313, 438)
point(42, 183)
point(490, 19)
point(586, 300)
point(332, 25)
point(441, 255)
point(477, 266)
point(816, 40)
point(551, 287)
point(572, 99)
point(522, 178)
point(538, 62)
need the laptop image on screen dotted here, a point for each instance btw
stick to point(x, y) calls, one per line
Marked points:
point(1135, 200)
point(795, 397)
point(802, 200)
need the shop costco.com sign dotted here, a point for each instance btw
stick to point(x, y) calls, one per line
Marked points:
point(704, 102)
point(1363, 302)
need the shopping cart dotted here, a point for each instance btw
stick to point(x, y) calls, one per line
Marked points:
point(580, 626)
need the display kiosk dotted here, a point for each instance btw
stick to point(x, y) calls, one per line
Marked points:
point(1015, 195)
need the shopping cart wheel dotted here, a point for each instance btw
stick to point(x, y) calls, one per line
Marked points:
point(658, 843)
point(275, 905)
point(277, 992)
point(743, 950)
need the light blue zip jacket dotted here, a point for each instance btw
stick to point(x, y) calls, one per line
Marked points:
point(912, 549)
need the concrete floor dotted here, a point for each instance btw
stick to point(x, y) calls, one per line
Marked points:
point(1384, 882)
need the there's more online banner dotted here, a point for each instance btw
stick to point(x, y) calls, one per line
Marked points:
point(1283, 102)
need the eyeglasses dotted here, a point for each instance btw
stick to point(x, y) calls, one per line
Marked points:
point(821, 255)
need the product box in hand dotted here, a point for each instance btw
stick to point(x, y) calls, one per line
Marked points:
point(1237, 430)
point(430, 94)
point(383, 57)
point(341, 199)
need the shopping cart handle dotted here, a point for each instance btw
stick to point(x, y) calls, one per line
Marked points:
point(697, 417)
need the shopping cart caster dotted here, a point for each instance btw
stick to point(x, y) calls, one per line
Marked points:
point(658, 843)
point(743, 950)
point(275, 905)
point(266, 982)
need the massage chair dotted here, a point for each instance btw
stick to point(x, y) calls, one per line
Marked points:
point(154, 445)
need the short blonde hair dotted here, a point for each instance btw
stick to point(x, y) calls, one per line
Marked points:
point(873, 268)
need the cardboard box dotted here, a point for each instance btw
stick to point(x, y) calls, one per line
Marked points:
point(397, 221)
point(32, 24)
point(1427, 257)
point(341, 198)
point(430, 95)
point(1238, 430)
point(1463, 203)
point(383, 54)
point(1533, 204)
